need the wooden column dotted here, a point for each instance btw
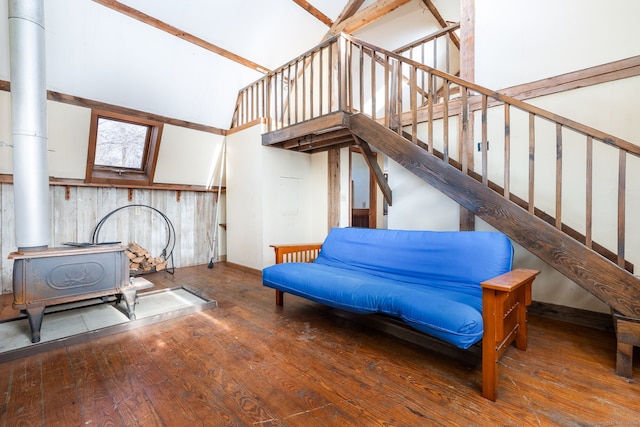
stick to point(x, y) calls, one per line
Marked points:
point(467, 39)
point(467, 72)
point(628, 336)
point(334, 187)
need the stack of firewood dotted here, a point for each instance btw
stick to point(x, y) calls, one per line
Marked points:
point(141, 261)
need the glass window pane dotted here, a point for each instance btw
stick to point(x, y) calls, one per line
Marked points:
point(120, 144)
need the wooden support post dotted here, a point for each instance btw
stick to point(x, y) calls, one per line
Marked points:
point(628, 336)
point(279, 298)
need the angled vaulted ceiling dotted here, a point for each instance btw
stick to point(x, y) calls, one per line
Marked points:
point(96, 52)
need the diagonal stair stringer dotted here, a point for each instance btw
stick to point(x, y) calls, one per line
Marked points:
point(607, 281)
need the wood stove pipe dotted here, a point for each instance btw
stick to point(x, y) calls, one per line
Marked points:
point(29, 124)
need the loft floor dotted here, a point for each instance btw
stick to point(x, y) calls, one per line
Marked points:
point(249, 362)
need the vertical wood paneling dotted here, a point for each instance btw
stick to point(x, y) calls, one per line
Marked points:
point(147, 227)
point(107, 202)
point(122, 199)
point(172, 211)
point(187, 223)
point(64, 216)
point(204, 224)
point(7, 236)
point(160, 235)
point(193, 218)
point(87, 208)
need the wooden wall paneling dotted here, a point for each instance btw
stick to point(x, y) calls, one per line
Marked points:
point(200, 231)
point(159, 231)
point(3, 255)
point(87, 208)
point(204, 226)
point(107, 202)
point(64, 215)
point(7, 237)
point(172, 211)
point(187, 228)
point(193, 218)
point(143, 228)
point(122, 221)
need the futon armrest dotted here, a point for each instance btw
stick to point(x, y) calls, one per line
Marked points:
point(504, 302)
point(296, 253)
point(512, 280)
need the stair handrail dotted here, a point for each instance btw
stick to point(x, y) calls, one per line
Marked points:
point(481, 90)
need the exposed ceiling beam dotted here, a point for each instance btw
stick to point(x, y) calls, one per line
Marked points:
point(349, 10)
point(436, 14)
point(367, 16)
point(315, 12)
point(149, 20)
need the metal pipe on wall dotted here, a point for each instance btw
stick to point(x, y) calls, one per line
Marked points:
point(29, 124)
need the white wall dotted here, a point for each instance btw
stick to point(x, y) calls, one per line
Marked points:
point(417, 205)
point(273, 197)
point(186, 156)
point(519, 41)
point(360, 180)
point(244, 198)
point(67, 139)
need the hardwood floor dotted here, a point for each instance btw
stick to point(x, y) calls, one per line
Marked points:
point(249, 362)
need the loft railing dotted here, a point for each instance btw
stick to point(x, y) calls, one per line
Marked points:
point(434, 50)
point(581, 180)
point(319, 91)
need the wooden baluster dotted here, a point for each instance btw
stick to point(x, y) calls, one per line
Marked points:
point(484, 143)
point(296, 85)
point(622, 184)
point(558, 176)
point(373, 84)
point(321, 81)
point(589, 194)
point(507, 151)
point(532, 147)
point(430, 101)
point(414, 105)
point(361, 77)
point(445, 120)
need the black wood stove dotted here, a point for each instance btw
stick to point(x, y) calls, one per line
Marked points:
point(60, 275)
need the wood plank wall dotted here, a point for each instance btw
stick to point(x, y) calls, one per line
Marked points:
point(76, 211)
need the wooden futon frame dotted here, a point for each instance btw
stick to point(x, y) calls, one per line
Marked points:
point(504, 310)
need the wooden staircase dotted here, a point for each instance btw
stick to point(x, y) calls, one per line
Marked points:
point(349, 110)
point(616, 286)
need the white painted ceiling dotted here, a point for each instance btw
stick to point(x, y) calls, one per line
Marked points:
point(97, 53)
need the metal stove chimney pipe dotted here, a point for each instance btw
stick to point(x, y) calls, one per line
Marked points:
point(29, 124)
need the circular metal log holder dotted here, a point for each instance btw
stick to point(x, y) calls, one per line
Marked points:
point(167, 252)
